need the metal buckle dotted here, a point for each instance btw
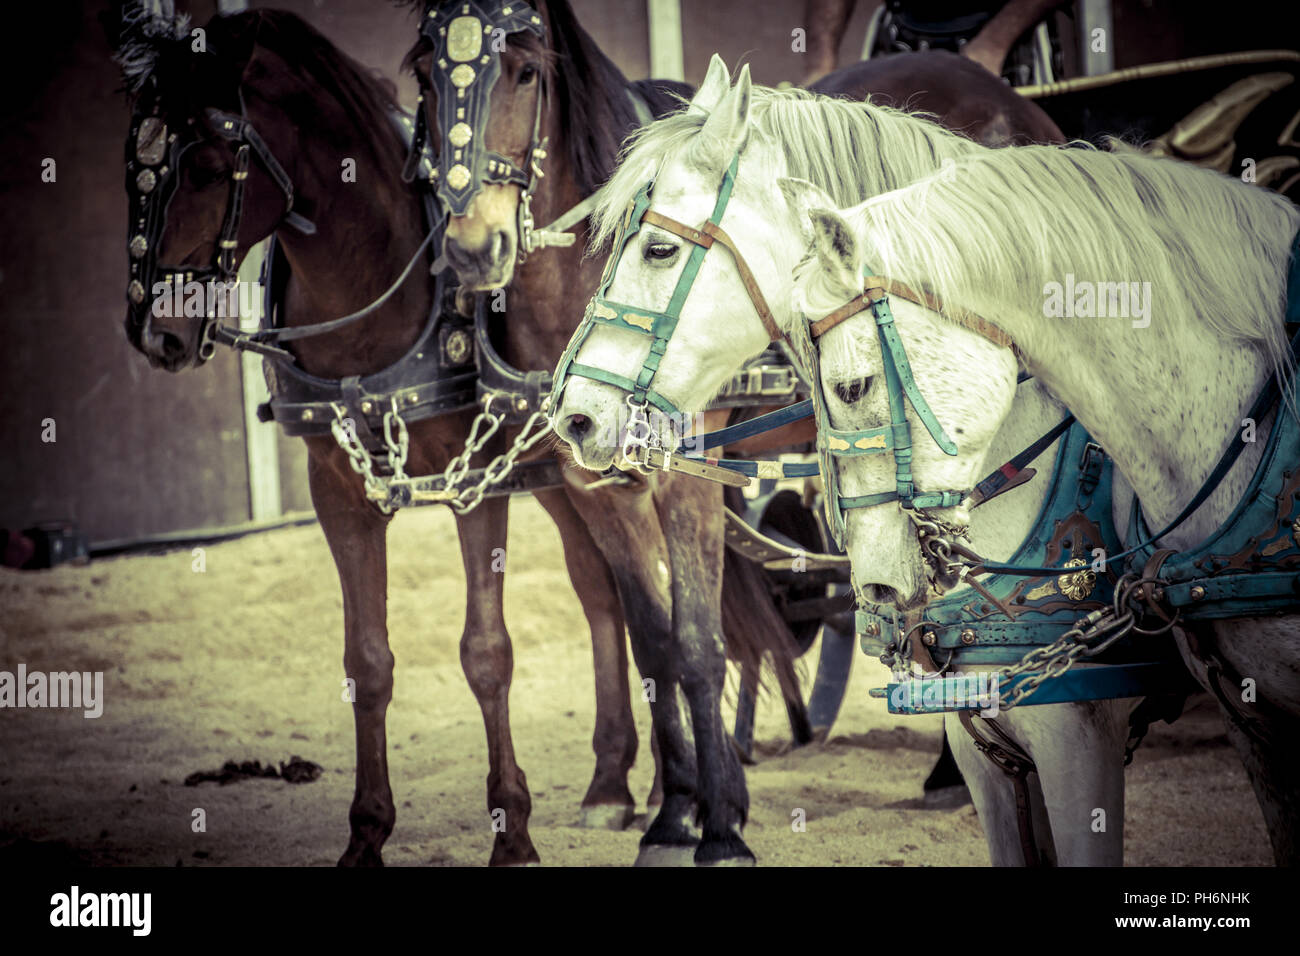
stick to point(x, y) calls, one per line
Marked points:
point(1091, 460)
point(761, 380)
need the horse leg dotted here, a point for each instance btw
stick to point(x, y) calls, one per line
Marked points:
point(692, 518)
point(356, 534)
point(1079, 751)
point(608, 803)
point(994, 796)
point(624, 525)
point(1262, 717)
point(1275, 779)
point(488, 662)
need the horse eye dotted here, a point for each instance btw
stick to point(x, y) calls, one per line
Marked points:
point(527, 74)
point(851, 392)
point(660, 251)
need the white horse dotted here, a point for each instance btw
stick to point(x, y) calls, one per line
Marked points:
point(851, 150)
point(1175, 280)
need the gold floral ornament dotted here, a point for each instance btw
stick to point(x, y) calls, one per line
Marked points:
point(1078, 585)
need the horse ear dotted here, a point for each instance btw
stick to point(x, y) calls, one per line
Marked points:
point(715, 86)
point(725, 130)
point(802, 197)
point(837, 247)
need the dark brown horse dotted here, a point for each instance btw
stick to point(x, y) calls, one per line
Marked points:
point(301, 112)
point(662, 536)
point(314, 108)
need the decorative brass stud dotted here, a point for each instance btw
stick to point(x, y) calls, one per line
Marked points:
point(521, 404)
point(929, 639)
point(458, 347)
point(1080, 584)
point(458, 177)
point(307, 415)
point(135, 291)
point(462, 76)
point(1198, 593)
point(367, 407)
point(146, 181)
point(413, 399)
point(460, 134)
point(872, 629)
point(138, 246)
point(967, 635)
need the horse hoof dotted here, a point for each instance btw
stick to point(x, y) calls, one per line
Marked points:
point(946, 798)
point(607, 816)
point(663, 854)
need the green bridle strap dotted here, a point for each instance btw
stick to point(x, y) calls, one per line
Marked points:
point(658, 325)
point(896, 437)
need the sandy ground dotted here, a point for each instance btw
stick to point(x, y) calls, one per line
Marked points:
point(244, 661)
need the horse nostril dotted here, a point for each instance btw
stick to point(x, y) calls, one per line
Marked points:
point(172, 346)
point(576, 427)
point(881, 594)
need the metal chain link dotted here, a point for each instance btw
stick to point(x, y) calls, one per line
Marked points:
point(398, 441)
point(345, 434)
point(469, 498)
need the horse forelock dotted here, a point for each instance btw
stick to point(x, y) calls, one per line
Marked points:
point(847, 148)
point(143, 35)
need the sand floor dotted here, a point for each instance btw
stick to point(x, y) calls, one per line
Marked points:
point(244, 661)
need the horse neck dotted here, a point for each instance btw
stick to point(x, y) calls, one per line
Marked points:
point(546, 298)
point(366, 233)
point(1164, 401)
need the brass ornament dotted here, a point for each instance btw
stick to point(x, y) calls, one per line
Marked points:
point(1080, 584)
point(1295, 532)
point(146, 181)
point(138, 246)
point(462, 76)
point(464, 38)
point(458, 347)
point(458, 176)
point(460, 134)
point(151, 141)
point(135, 291)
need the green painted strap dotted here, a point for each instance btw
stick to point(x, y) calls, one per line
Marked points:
point(624, 383)
point(897, 357)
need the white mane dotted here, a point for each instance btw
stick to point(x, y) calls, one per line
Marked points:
point(991, 232)
point(849, 149)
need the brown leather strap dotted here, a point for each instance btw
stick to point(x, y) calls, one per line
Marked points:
point(877, 286)
point(705, 237)
point(1008, 757)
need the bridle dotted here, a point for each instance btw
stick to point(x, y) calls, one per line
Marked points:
point(832, 443)
point(466, 64)
point(896, 437)
point(659, 326)
point(153, 157)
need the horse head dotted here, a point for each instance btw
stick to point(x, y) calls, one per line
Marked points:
point(666, 313)
point(909, 405)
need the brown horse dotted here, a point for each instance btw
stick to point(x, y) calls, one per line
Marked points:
point(314, 108)
point(299, 110)
point(490, 109)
